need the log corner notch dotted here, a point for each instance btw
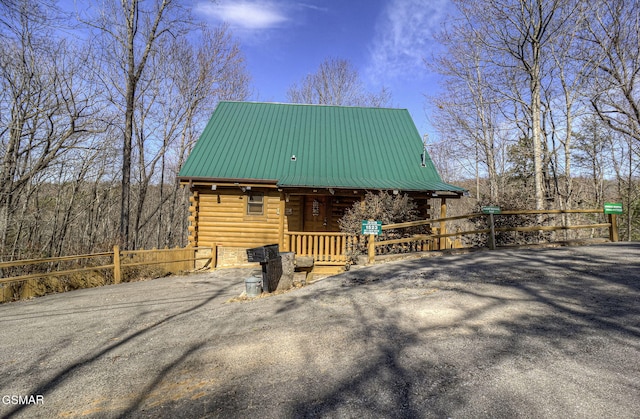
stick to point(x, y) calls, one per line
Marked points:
point(193, 218)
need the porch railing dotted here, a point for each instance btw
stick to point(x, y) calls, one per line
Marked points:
point(325, 248)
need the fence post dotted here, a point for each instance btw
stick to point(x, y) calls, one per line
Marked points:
point(443, 224)
point(434, 243)
point(27, 289)
point(613, 228)
point(214, 256)
point(492, 234)
point(116, 265)
point(372, 248)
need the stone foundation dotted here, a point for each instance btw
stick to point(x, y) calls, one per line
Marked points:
point(231, 257)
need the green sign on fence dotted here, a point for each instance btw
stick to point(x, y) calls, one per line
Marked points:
point(372, 227)
point(493, 209)
point(612, 208)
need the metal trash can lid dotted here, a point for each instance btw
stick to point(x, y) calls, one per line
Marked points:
point(252, 280)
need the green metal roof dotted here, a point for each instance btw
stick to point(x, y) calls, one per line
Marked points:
point(334, 147)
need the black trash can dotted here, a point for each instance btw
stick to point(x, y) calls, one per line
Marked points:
point(269, 258)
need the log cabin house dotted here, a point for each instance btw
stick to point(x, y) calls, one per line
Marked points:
point(265, 173)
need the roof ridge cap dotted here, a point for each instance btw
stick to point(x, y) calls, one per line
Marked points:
point(311, 104)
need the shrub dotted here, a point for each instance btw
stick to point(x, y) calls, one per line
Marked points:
point(385, 207)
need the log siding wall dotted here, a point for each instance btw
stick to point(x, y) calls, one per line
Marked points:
point(222, 219)
point(219, 218)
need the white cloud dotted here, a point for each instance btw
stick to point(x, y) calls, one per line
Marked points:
point(404, 36)
point(246, 15)
point(312, 7)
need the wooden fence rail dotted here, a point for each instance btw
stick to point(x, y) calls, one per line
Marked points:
point(441, 242)
point(171, 260)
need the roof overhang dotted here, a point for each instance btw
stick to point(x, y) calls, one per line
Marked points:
point(231, 182)
point(305, 189)
point(447, 194)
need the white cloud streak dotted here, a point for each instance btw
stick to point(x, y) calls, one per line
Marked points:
point(245, 15)
point(404, 36)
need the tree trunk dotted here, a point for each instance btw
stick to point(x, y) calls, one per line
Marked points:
point(536, 131)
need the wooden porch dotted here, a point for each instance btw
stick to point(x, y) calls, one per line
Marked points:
point(333, 248)
point(315, 232)
point(326, 248)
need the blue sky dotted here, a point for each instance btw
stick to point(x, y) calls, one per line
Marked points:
point(386, 41)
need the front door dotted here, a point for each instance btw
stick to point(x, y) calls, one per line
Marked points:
point(316, 213)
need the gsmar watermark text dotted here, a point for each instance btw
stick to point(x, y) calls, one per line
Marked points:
point(14, 399)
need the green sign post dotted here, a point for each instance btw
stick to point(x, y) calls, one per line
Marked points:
point(612, 208)
point(492, 209)
point(371, 227)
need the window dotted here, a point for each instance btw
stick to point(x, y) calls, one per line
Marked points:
point(255, 203)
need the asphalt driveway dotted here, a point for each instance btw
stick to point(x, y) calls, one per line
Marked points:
point(528, 333)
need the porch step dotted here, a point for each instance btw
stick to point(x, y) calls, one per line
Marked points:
point(322, 263)
point(321, 271)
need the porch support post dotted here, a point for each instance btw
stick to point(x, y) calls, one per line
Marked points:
point(443, 225)
point(281, 210)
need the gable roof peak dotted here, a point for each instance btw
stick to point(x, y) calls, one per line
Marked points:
point(334, 147)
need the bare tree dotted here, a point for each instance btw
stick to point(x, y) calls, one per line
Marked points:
point(180, 88)
point(592, 149)
point(62, 107)
point(203, 75)
point(44, 111)
point(467, 111)
point(566, 87)
point(613, 36)
point(130, 30)
point(10, 10)
point(624, 157)
point(613, 48)
point(517, 36)
point(336, 83)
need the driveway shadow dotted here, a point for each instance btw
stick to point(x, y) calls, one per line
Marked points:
point(511, 333)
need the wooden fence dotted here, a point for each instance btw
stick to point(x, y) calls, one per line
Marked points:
point(441, 239)
point(27, 278)
point(41, 276)
point(331, 248)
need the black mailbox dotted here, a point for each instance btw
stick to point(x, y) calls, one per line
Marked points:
point(269, 258)
point(263, 254)
point(258, 254)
